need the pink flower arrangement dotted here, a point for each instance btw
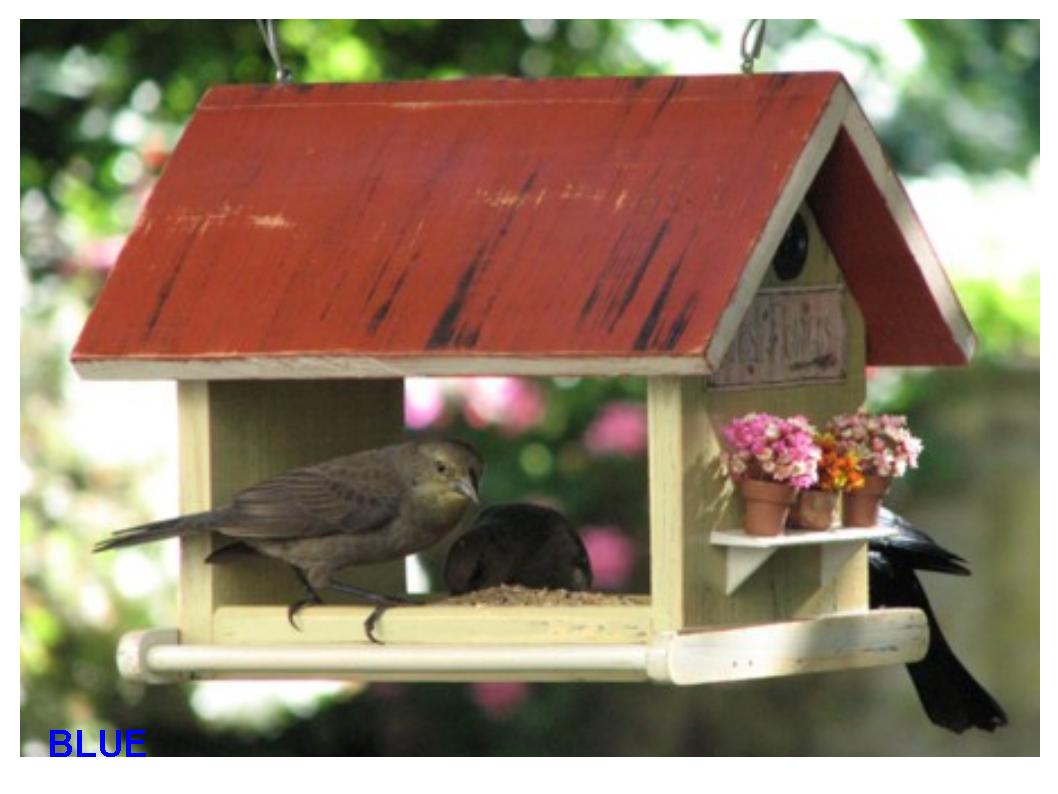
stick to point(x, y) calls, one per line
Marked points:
point(883, 444)
point(769, 448)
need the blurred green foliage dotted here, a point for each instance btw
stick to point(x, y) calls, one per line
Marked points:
point(1006, 316)
point(979, 98)
point(103, 103)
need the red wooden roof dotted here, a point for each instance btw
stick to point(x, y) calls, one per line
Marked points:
point(591, 225)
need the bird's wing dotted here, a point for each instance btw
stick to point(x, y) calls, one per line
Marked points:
point(583, 561)
point(352, 495)
point(917, 549)
point(463, 566)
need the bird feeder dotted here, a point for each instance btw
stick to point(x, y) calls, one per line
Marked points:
point(741, 242)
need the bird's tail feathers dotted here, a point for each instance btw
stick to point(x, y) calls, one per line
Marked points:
point(951, 697)
point(160, 530)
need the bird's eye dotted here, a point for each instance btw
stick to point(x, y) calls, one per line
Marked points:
point(441, 467)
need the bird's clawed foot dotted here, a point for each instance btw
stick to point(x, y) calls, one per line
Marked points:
point(379, 610)
point(297, 606)
point(381, 602)
point(311, 598)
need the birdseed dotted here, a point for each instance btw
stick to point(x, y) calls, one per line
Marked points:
point(516, 595)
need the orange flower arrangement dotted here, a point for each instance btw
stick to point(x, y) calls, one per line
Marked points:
point(838, 471)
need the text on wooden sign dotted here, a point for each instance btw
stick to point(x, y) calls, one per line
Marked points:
point(794, 335)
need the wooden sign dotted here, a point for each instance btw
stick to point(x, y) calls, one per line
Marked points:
point(788, 336)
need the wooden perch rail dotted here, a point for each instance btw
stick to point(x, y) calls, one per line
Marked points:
point(835, 642)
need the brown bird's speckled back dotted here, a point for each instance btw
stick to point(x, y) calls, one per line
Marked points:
point(368, 507)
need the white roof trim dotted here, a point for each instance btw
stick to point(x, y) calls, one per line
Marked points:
point(843, 111)
point(331, 366)
point(793, 194)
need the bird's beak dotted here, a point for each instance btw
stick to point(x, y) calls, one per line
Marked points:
point(466, 487)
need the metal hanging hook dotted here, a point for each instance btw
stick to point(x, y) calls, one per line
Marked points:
point(271, 41)
point(751, 51)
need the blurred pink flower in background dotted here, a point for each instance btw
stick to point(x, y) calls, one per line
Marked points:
point(499, 699)
point(154, 151)
point(612, 554)
point(620, 428)
point(389, 690)
point(515, 404)
point(100, 254)
point(424, 401)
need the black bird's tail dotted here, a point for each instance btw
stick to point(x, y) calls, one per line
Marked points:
point(192, 524)
point(950, 696)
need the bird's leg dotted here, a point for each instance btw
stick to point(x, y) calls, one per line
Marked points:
point(311, 597)
point(372, 619)
point(381, 602)
point(379, 610)
point(368, 595)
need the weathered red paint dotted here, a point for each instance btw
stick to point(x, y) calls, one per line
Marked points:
point(595, 217)
point(905, 326)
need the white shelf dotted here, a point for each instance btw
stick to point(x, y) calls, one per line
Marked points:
point(798, 537)
point(747, 553)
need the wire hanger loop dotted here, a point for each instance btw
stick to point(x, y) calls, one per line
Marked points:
point(751, 48)
point(267, 27)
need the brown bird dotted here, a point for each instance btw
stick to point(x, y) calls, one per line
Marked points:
point(371, 506)
point(518, 544)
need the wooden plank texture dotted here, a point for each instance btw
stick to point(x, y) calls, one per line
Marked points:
point(787, 336)
point(838, 642)
point(439, 624)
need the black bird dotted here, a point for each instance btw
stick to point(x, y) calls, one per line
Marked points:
point(950, 696)
point(371, 506)
point(518, 544)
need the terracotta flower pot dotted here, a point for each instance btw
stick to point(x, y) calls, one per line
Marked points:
point(860, 508)
point(814, 510)
point(767, 505)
